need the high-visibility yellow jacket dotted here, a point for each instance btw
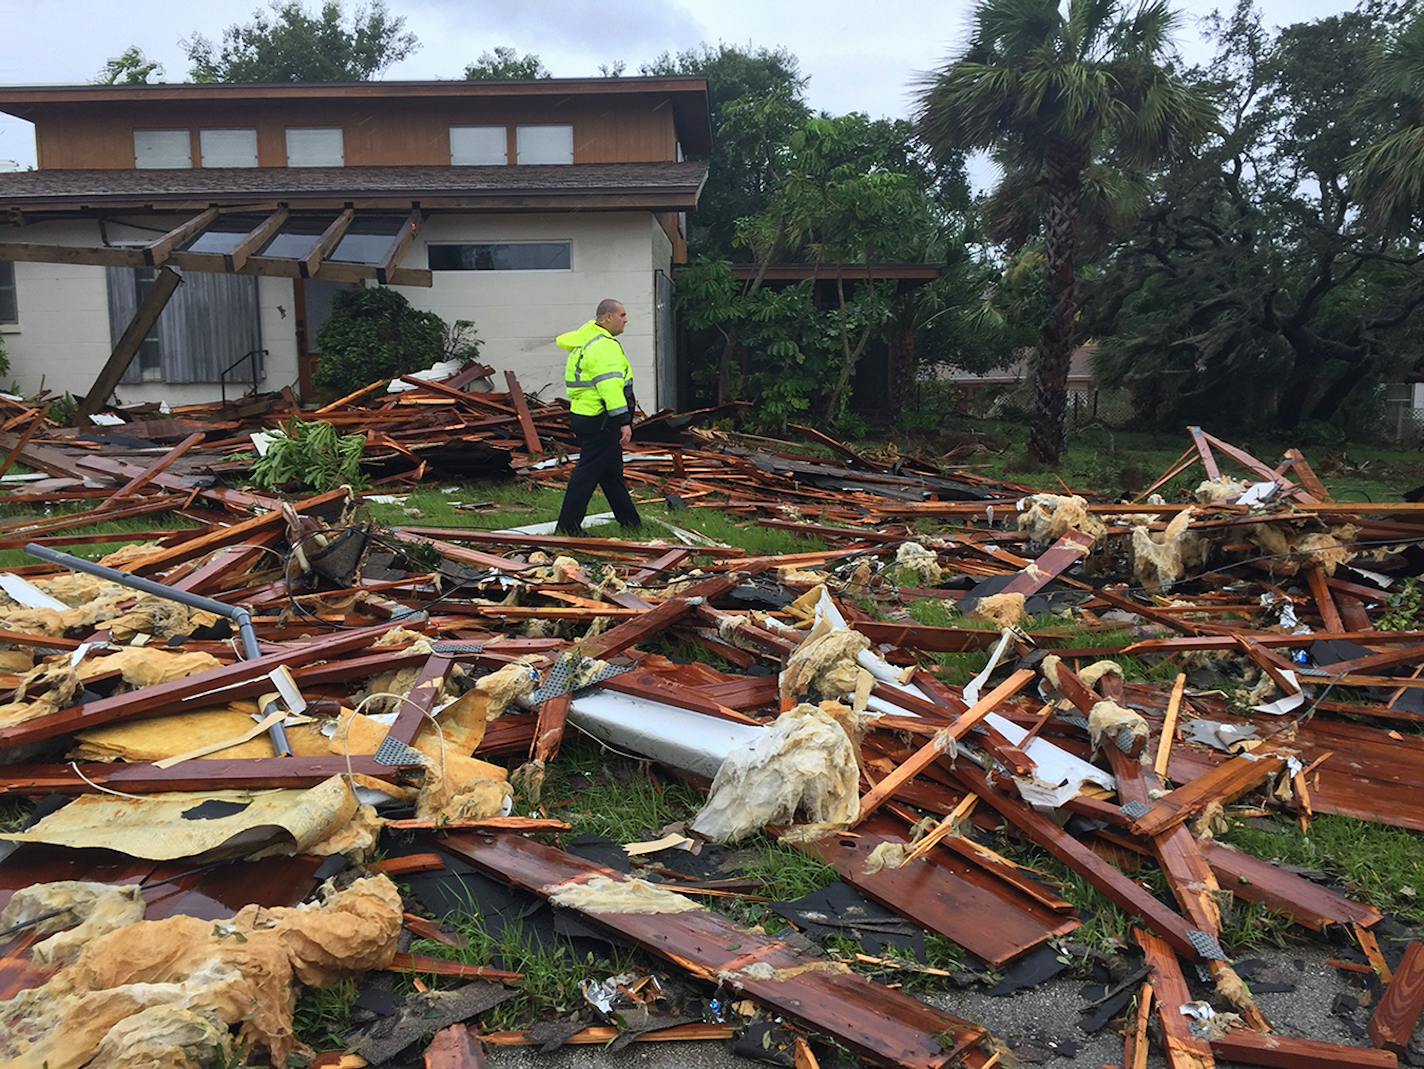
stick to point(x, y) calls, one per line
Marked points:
point(598, 377)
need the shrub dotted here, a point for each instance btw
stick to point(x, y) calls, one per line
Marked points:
point(374, 333)
point(312, 454)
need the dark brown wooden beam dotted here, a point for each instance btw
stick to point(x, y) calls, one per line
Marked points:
point(330, 238)
point(155, 252)
point(398, 245)
point(255, 239)
point(139, 328)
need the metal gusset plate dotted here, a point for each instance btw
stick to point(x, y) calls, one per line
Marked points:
point(560, 678)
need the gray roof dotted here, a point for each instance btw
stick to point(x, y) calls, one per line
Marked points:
point(662, 185)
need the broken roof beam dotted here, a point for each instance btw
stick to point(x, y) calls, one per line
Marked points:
point(1127, 894)
point(1224, 783)
point(878, 1023)
point(308, 266)
point(1184, 1050)
point(1398, 1012)
point(402, 241)
point(166, 697)
point(939, 744)
point(1284, 1052)
point(157, 251)
point(201, 774)
point(521, 409)
point(139, 328)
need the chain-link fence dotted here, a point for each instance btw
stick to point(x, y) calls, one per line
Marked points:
point(1403, 424)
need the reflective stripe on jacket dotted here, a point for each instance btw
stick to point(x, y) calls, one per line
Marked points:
point(597, 376)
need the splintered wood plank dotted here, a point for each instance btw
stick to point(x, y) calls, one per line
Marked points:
point(1184, 1050)
point(427, 966)
point(1398, 1011)
point(1052, 563)
point(946, 893)
point(1169, 726)
point(165, 462)
point(933, 750)
point(1249, 878)
point(165, 697)
point(879, 1023)
point(1129, 895)
point(454, 1048)
point(521, 409)
point(1283, 1052)
point(549, 731)
point(1225, 782)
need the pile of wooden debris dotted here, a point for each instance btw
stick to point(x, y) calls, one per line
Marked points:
point(223, 718)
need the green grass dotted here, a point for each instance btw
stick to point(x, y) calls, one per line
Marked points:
point(552, 974)
point(600, 793)
point(1097, 459)
point(158, 521)
point(1382, 865)
point(323, 1015)
point(518, 504)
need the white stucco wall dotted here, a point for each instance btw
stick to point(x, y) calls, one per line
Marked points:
point(519, 313)
point(63, 340)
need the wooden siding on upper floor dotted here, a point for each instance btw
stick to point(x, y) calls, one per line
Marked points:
point(607, 129)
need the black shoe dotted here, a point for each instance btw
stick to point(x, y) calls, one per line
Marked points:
point(571, 532)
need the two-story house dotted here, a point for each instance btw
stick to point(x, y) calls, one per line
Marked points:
point(517, 205)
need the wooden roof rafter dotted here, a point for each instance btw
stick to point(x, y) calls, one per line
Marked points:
point(243, 258)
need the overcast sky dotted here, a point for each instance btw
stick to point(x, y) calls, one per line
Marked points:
point(859, 56)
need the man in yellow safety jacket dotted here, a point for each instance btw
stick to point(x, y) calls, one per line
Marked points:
point(599, 381)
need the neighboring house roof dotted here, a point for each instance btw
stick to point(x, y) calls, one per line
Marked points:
point(688, 95)
point(655, 186)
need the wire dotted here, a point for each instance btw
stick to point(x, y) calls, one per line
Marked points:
point(294, 602)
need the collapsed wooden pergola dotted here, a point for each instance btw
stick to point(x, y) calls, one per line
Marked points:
point(202, 242)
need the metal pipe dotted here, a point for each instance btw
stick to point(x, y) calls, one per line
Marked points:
point(238, 615)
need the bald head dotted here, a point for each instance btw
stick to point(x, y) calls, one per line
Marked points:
point(611, 316)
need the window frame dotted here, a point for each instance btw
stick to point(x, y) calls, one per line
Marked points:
point(340, 131)
point(187, 135)
point(518, 148)
point(504, 144)
point(502, 270)
point(10, 325)
point(203, 148)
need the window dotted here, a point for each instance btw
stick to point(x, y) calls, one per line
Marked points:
point(545, 144)
point(9, 305)
point(149, 359)
point(210, 323)
point(228, 148)
point(502, 256)
point(156, 149)
point(478, 145)
point(315, 148)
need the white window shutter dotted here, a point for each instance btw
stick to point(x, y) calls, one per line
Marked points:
point(160, 149)
point(476, 146)
point(228, 148)
point(545, 144)
point(315, 148)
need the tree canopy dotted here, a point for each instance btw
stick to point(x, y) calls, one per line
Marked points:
point(1055, 93)
point(130, 67)
point(503, 63)
point(287, 44)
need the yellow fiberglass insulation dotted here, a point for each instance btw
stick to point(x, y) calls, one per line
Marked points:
point(507, 685)
point(1108, 720)
point(924, 563)
point(87, 911)
point(1001, 610)
point(803, 763)
point(1219, 491)
point(1328, 550)
point(241, 972)
point(605, 894)
point(166, 1037)
point(1158, 560)
point(824, 665)
point(1048, 517)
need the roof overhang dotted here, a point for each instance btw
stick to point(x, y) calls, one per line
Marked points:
point(576, 187)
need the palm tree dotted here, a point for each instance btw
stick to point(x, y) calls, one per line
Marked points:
point(1389, 174)
point(1052, 94)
